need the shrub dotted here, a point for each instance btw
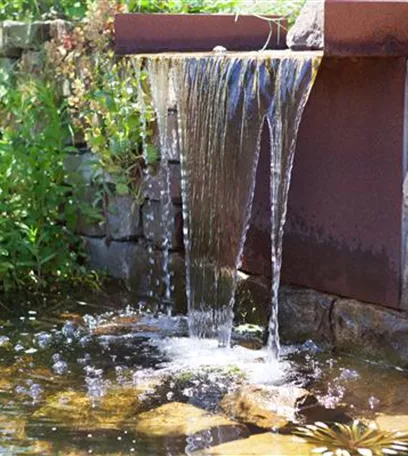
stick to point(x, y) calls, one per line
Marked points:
point(38, 208)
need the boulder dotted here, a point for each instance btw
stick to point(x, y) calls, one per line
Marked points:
point(268, 407)
point(310, 310)
point(262, 445)
point(308, 31)
point(369, 330)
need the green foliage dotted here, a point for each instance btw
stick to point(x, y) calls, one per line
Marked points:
point(182, 6)
point(105, 92)
point(27, 10)
point(76, 9)
point(289, 8)
point(38, 209)
point(356, 439)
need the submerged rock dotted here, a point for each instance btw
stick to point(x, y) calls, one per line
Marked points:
point(118, 325)
point(268, 407)
point(83, 412)
point(262, 445)
point(178, 419)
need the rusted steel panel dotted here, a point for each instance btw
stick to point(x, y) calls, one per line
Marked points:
point(343, 233)
point(366, 28)
point(257, 249)
point(145, 33)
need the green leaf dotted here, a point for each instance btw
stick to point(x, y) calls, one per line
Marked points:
point(122, 189)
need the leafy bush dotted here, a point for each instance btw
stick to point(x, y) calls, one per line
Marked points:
point(27, 10)
point(104, 92)
point(76, 9)
point(38, 208)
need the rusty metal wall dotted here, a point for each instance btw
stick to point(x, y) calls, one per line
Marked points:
point(343, 233)
point(144, 33)
point(366, 28)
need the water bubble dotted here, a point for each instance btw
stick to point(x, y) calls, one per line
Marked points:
point(43, 339)
point(21, 389)
point(4, 340)
point(373, 402)
point(60, 367)
point(349, 374)
point(35, 391)
point(18, 348)
point(70, 331)
point(310, 346)
point(96, 385)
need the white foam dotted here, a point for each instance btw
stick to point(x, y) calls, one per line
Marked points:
point(191, 354)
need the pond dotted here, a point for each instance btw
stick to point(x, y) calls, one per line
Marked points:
point(94, 376)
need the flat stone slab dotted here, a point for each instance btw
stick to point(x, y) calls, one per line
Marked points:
point(262, 445)
point(16, 36)
point(179, 419)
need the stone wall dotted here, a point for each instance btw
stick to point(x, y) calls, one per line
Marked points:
point(129, 243)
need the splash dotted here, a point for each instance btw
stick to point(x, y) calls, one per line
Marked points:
point(223, 102)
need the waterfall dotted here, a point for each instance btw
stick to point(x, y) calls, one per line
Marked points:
point(223, 101)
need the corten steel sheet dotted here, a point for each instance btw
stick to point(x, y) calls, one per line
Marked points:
point(343, 233)
point(257, 248)
point(145, 33)
point(366, 28)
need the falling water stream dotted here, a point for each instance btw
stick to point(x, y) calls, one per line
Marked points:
point(223, 101)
